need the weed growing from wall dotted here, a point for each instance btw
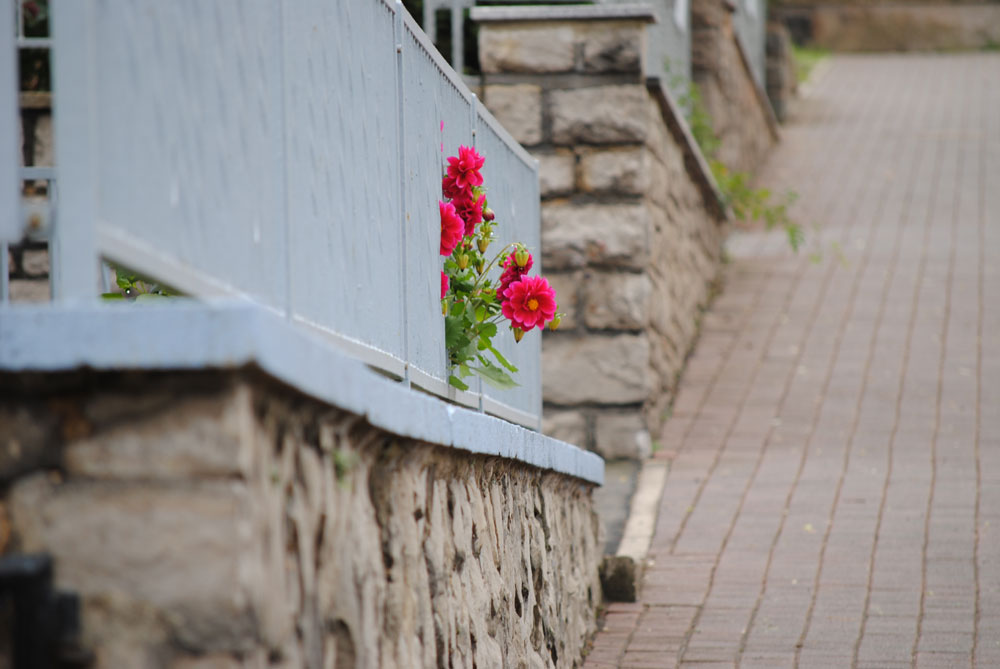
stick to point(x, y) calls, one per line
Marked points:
point(747, 203)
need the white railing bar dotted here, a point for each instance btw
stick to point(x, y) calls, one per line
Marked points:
point(38, 173)
point(75, 275)
point(34, 42)
point(4, 274)
point(399, 34)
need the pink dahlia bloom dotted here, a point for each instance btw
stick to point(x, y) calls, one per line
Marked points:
point(530, 303)
point(511, 273)
point(444, 284)
point(452, 228)
point(471, 211)
point(451, 189)
point(464, 168)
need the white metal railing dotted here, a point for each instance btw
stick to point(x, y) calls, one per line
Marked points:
point(285, 153)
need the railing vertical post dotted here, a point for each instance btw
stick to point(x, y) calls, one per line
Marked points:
point(10, 223)
point(473, 125)
point(399, 30)
point(74, 252)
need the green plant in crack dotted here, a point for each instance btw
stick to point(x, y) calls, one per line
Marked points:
point(135, 287)
point(748, 204)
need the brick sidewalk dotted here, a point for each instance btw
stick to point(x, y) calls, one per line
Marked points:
point(834, 493)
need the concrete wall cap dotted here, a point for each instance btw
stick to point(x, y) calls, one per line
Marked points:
point(629, 12)
point(224, 334)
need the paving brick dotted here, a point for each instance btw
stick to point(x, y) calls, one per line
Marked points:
point(826, 482)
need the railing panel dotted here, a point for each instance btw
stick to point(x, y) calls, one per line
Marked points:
point(750, 23)
point(514, 195)
point(431, 97)
point(188, 113)
point(344, 209)
point(287, 153)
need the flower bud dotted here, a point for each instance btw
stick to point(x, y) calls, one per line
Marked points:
point(483, 243)
point(479, 266)
point(518, 333)
point(554, 323)
point(521, 256)
point(444, 308)
point(463, 261)
point(488, 214)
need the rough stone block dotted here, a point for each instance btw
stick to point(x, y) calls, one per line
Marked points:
point(622, 435)
point(612, 47)
point(29, 290)
point(615, 235)
point(616, 301)
point(567, 287)
point(556, 172)
point(536, 48)
point(518, 107)
point(620, 578)
point(179, 550)
point(35, 262)
point(568, 426)
point(600, 114)
point(624, 171)
point(196, 437)
point(599, 369)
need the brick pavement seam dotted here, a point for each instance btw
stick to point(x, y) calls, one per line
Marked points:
point(848, 310)
point(817, 168)
point(852, 434)
point(802, 266)
point(981, 206)
point(937, 424)
point(914, 302)
point(801, 269)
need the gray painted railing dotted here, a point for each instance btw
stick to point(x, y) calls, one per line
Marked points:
point(750, 24)
point(9, 140)
point(286, 153)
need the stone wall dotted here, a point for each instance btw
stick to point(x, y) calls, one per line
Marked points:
point(741, 114)
point(896, 25)
point(218, 519)
point(631, 225)
point(782, 77)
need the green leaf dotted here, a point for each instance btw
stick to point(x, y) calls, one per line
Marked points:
point(457, 382)
point(112, 296)
point(495, 376)
point(454, 333)
point(503, 360)
point(488, 330)
point(480, 313)
point(457, 308)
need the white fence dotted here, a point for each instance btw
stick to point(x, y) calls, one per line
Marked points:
point(287, 153)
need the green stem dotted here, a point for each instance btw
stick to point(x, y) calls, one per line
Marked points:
point(492, 263)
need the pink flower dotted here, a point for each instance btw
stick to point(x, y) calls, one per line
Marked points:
point(511, 273)
point(464, 168)
point(444, 284)
point(452, 228)
point(451, 189)
point(530, 303)
point(471, 212)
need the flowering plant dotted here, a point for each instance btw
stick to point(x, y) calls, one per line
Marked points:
point(474, 304)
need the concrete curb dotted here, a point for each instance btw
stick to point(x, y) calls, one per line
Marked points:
point(621, 574)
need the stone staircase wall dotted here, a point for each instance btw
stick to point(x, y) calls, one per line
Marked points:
point(631, 224)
